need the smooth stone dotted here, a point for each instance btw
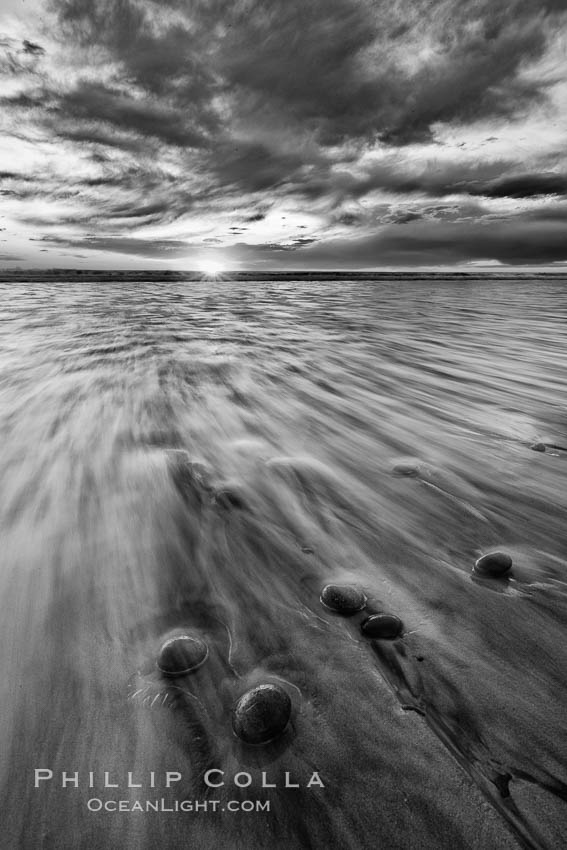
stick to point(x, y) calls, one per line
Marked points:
point(189, 476)
point(182, 654)
point(201, 473)
point(343, 598)
point(262, 714)
point(538, 447)
point(230, 496)
point(382, 626)
point(493, 564)
point(408, 470)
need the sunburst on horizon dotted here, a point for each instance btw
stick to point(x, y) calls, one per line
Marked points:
point(212, 268)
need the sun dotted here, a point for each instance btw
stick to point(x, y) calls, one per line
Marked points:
point(211, 268)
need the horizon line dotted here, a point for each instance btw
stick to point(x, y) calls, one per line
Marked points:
point(483, 270)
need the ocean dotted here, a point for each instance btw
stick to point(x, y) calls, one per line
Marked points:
point(205, 456)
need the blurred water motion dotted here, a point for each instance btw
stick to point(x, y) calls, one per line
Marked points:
point(299, 399)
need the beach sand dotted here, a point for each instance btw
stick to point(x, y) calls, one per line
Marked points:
point(354, 433)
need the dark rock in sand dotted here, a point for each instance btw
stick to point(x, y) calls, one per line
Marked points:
point(182, 654)
point(189, 477)
point(407, 470)
point(230, 496)
point(537, 447)
point(382, 626)
point(494, 564)
point(262, 714)
point(343, 598)
point(201, 474)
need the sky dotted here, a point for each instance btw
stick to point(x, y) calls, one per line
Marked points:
point(283, 134)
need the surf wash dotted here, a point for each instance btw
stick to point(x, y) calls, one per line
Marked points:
point(213, 778)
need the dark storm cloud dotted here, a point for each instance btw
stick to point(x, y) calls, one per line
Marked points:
point(345, 67)
point(488, 179)
point(159, 248)
point(255, 167)
point(406, 217)
point(414, 243)
point(341, 68)
point(124, 194)
point(24, 100)
point(88, 133)
point(31, 47)
point(432, 243)
point(393, 175)
point(161, 56)
point(96, 182)
point(151, 211)
point(17, 57)
point(250, 103)
point(170, 60)
point(13, 175)
point(119, 110)
point(349, 219)
point(127, 217)
point(523, 186)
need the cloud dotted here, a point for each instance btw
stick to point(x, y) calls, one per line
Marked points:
point(19, 57)
point(491, 179)
point(162, 57)
point(338, 68)
point(31, 47)
point(255, 166)
point(523, 186)
point(415, 242)
point(24, 100)
point(346, 68)
point(555, 212)
point(158, 248)
point(420, 243)
point(14, 175)
point(11, 258)
point(259, 216)
point(120, 111)
point(396, 175)
point(349, 113)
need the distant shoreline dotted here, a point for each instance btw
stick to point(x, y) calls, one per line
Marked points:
point(164, 276)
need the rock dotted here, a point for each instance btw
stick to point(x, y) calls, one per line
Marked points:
point(262, 714)
point(343, 598)
point(201, 474)
point(230, 496)
point(181, 654)
point(408, 470)
point(537, 447)
point(493, 564)
point(190, 477)
point(382, 626)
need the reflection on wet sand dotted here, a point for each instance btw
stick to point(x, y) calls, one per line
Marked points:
point(188, 468)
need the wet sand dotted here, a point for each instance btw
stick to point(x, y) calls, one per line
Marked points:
point(373, 434)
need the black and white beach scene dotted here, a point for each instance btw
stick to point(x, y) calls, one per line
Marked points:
point(283, 424)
